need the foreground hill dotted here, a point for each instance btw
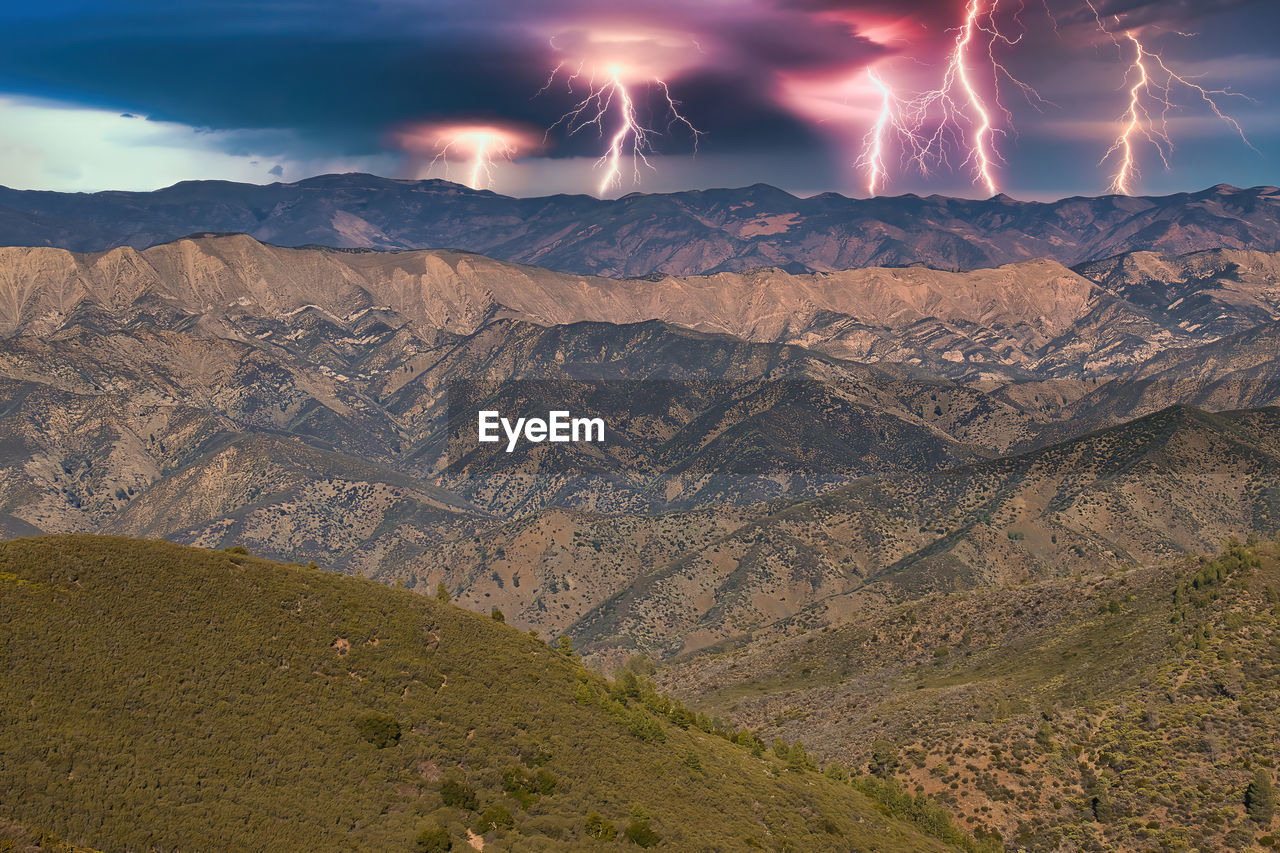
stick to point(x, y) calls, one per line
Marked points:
point(161, 697)
point(680, 233)
point(1126, 710)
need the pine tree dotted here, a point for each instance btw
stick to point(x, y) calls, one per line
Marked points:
point(442, 593)
point(1260, 798)
point(884, 757)
point(1101, 804)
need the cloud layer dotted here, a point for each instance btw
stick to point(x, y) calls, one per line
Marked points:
point(317, 84)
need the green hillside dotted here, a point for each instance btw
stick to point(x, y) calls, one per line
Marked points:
point(157, 697)
point(1131, 710)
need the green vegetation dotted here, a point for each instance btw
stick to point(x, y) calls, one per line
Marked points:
point(1137, 709)
point(598, 827)
point(434, 839)
point(380, 730)
point(161, 697)
point(1260, 798)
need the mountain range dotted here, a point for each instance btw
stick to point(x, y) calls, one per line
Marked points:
point(729, 230)
point(946, 519)
point(305, 402)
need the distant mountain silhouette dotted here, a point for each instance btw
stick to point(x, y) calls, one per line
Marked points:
point(677, 233)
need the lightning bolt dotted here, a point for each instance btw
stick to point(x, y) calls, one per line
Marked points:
point(608, 94)
point(890, 121)
point(483, 149)
point(1133, 124)
point(1152, 87)
point(958, 70)
point(963, 114)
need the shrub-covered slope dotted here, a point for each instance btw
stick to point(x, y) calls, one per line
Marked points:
point(158, 697)
point(1127, 711)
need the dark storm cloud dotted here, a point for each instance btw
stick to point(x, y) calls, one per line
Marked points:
point(342, 74)
point(337, 77)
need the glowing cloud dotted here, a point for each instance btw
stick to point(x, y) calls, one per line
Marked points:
point(480, 146)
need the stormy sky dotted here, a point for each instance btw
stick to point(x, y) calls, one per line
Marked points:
point(133, 94)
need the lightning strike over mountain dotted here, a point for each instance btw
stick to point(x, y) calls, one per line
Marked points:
point(961, 111)
point(958, 70)
point(609, 106)
point(481, 146)
point(1136, 120)
point(960, 104)
point(889, 123)
point(1151, 90)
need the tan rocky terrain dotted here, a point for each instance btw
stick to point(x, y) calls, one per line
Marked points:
point(1034, 318)
point(1237, 371)
point(219, 390)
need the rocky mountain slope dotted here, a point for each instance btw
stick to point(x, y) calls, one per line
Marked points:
point(97, 417)
point(1034, 319)
point(1237, 371)
point(1147, 490)
point(311, 402)
point(676, 234)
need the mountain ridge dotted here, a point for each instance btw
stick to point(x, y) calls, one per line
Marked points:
point(997, 322)
point(691, 232)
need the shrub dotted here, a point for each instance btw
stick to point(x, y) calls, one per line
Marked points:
point(639, 832)
point(599, 827)
point(458, 795)
point(645, 727)
point(884, 757)
point(527, 787)
point(381, 730)
point(494, 817)
point(434, 839)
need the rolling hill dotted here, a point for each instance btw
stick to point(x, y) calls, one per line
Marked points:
point(156, 696)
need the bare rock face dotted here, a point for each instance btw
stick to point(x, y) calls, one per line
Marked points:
point(1034, 318)
point(685, 233)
